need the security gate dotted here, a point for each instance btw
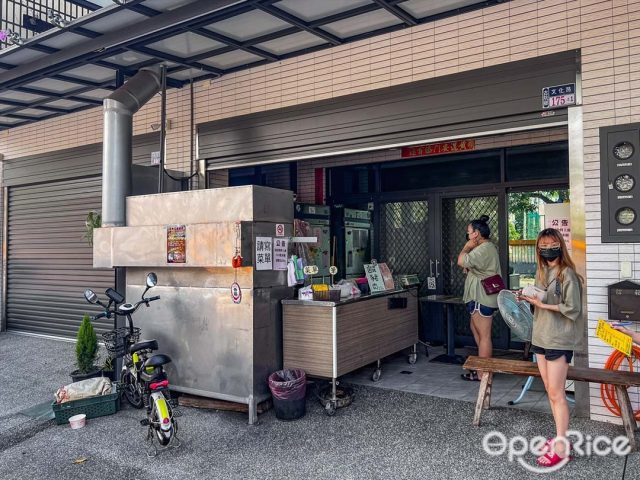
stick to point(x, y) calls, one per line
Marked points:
point(49, 263)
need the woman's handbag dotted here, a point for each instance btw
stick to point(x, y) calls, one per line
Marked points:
point(493, 285)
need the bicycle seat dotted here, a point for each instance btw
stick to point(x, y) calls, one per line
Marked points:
point(144, 345)
point(157, 360)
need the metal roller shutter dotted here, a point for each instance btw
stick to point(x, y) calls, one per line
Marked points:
point(50, 264)
point(495, 99)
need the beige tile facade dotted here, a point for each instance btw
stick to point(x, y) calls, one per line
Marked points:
point(602, 29)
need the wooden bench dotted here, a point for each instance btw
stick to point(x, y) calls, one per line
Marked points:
point(621, 381)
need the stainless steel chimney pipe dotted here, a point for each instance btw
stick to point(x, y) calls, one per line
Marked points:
point(119, 108)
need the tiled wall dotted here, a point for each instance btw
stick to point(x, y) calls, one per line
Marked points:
point(518, 29)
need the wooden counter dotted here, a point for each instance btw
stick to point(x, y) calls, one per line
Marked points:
point(330, 339)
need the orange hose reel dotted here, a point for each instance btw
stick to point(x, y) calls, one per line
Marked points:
point(608, 392)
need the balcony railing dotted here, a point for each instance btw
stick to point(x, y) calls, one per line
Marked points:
point(27, 18)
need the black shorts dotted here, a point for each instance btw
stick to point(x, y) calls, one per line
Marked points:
point(551, 355)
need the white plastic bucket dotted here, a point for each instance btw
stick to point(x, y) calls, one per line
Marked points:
point(78, 421)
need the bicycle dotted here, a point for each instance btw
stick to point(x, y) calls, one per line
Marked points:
point(143, 380)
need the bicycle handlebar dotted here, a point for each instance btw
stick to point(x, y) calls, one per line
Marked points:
point(114, 311)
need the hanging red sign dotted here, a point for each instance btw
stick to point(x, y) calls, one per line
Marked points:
point(439, 148)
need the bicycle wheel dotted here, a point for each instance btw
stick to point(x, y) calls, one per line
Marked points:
point(131, 390)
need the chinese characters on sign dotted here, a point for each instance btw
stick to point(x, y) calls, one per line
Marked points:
point(376, 282)
point(557, 215)
point(176, 244)
point(617, 340)
point(280, 254)
point(439, 148)
point(559, 96)
point(264, 253)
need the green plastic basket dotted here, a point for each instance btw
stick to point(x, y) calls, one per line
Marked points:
point(92, 407)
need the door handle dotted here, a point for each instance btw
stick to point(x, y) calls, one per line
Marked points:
point(437, 274)
point(430, 268)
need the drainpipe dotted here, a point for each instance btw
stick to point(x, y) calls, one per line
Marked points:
point(119, 108)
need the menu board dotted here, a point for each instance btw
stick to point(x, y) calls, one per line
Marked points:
point(374, 276)
point(264, 253)
point(176, 244)
point(618, 340)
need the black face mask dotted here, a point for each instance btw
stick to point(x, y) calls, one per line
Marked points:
point(550, 253)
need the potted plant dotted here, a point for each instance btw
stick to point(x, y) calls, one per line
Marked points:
point(108, 368)
point(93, 221)
point(86, 352)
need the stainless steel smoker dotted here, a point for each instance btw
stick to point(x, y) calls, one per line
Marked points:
point(224, 342)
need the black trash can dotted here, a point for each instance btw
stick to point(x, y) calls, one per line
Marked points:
point(288, 388)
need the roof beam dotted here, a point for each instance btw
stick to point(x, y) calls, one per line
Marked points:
point(183, 17)
point(302, 25)
point(398, 12)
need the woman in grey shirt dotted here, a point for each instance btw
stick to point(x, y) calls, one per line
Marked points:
point(557, 332)
point(479, 258)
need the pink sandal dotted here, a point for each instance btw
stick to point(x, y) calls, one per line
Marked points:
point(551, 459)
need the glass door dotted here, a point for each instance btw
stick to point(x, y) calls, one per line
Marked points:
point(457, 213)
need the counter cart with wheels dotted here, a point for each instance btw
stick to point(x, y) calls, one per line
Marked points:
point(330, 339)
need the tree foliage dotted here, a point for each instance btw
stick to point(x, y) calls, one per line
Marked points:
point(86, 346)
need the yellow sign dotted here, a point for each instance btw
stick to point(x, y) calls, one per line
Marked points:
point(616, 339)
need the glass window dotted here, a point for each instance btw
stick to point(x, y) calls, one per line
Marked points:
point(442, 171)
point(537, 162)
point(528, 213)
point(352, 179)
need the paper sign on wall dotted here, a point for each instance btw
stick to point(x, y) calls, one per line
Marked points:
point(558, 216)
point(614, 338)
point(264, 253)
point(376, 282)
point(176, 244)
point(280, 254)
point(387, 278)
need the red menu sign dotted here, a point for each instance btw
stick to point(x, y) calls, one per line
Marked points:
point(176, 244)
point(439, 148)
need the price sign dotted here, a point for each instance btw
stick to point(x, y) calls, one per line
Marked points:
point(333, 269)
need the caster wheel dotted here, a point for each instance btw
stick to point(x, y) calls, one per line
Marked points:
point(376, 375)
point(330, 409)
point(413, 358)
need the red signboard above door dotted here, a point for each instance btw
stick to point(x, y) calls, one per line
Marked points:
point(439, 148)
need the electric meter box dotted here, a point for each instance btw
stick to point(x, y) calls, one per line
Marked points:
point(619, 177)
point(624, 301)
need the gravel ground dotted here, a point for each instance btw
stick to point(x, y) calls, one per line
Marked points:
point(384, 434)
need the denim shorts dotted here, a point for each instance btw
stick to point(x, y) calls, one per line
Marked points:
point(483, 309)
point(550, 354)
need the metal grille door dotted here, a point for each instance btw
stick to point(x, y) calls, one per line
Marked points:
point(456, 215)
point(404, 241)
point(50, 264)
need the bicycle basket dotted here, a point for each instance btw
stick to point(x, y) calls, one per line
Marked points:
point(115, 341)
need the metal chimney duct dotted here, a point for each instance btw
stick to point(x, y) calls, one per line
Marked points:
point(119, 108)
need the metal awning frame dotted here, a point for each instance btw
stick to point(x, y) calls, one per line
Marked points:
point(157, 26)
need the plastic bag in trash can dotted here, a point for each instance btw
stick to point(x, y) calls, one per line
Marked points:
point(288, 384)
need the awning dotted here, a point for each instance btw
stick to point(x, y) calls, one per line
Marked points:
point(75, 65)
